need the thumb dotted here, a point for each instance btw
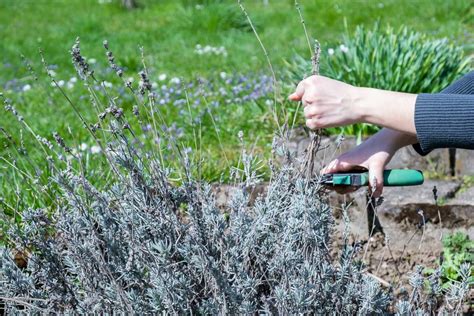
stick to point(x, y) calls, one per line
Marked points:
point(299, 92)
point(338, 165)
point(294, 97)
point(376, 179)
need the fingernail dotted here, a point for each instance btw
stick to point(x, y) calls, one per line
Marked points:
point(373, 184)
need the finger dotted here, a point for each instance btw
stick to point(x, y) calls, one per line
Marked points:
point(376, 179)
point(310, 95)
point(310, 111)
point(339, 165)
point(329, 167)
point(313, 123)
point(299, 92)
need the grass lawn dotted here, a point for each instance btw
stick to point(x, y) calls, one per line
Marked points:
point(170, 31)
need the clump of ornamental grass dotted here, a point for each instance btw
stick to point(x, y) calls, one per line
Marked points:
point(153, 240)
point(399, 60)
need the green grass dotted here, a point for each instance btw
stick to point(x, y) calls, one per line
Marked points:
point(169, 31)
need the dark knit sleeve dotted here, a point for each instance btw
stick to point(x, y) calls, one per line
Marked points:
point(446, 119)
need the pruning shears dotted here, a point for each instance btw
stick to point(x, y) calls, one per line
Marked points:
point(391, 177)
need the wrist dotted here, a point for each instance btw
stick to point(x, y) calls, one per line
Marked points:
point(394, 110)
point(362, 105)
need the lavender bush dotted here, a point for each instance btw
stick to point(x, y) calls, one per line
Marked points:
point(149, 242)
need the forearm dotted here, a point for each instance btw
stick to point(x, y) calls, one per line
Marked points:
point(394, 110)
point(392, 139)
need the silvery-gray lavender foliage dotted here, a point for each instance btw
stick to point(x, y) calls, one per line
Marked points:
point(148, 244)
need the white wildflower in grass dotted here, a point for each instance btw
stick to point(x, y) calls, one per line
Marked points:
point(83, 147)
point(162, 77)
point(154, 85)
point(175, 80)
point(95, 149)
point(198, 49)
point(26, 87)
point(107, 84)
point(61, 83)
point(92, 60)
point(331, 51)
point(223, 75)
point(207, 49)
point(240, 135)
point(221, 51)
point(269, 102)
point(199, 7)
point(71, 82)
point(210, 50)
point(130, 79)
point(344, 48)
point(51, 73)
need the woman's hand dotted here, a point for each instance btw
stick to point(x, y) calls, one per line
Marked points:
point(373, 154)
point(327, 102)
point(331, 103)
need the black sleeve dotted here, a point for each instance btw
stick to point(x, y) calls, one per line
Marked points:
point(446, 119)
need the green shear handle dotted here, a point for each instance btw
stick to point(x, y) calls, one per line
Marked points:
point(393, 177)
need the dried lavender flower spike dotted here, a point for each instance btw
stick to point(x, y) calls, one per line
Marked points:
point(81, 65)
point(315, 58)
point(144, 85)
point(111, 59)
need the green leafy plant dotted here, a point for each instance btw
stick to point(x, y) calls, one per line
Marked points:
point(397, 60)
point(458, 248)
